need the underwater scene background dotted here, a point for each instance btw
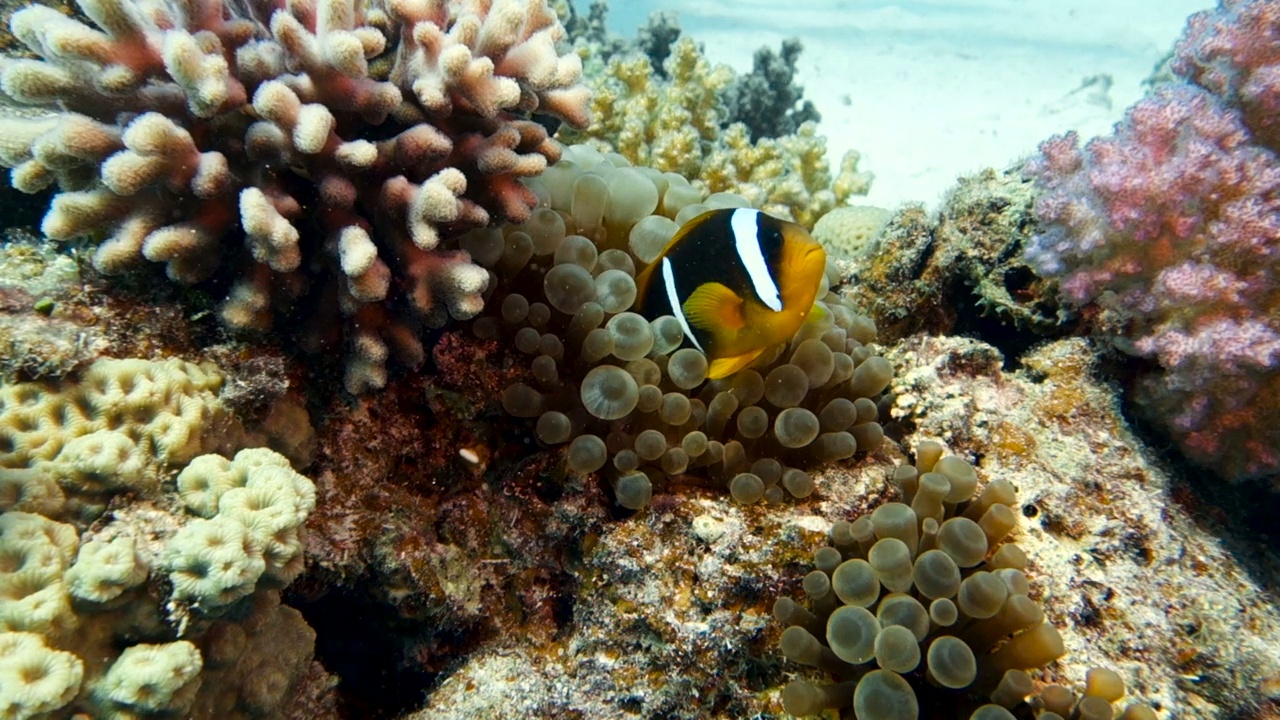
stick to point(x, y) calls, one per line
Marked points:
point(705, 359)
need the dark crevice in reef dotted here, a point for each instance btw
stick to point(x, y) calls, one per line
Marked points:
point(991, 328)
point(20, 210)
point(372, 650)
point(1241, 515)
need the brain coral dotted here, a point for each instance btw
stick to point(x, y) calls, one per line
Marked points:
point(65, 451)
point(79, 608)
point(314, 154)
point(149, 610)
point(618, 390)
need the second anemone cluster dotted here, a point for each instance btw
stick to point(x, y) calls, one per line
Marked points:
point(923, 609)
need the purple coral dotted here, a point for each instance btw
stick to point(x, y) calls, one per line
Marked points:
point(1173, 223)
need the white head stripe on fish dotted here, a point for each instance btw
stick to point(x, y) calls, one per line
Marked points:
point(746, 238)
point(669, 282)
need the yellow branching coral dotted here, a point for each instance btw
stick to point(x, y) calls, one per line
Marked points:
point(673, 125)
point(786, 175)
point(661, 124)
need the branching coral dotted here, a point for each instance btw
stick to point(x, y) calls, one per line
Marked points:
point(675, 124)
point(767, 100)
point(597, 45)
point(317, 151)
point(1173, 225)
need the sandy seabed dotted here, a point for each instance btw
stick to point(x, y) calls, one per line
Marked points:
point(930, 89)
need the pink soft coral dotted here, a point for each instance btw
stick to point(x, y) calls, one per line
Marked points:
point(1173, 223)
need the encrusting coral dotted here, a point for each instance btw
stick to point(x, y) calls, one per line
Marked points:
point(41, 335)
point(619, 390)
point(316, 153)
point(951, 271)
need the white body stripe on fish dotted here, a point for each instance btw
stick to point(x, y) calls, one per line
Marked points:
point(746, 238)
point(669, 281)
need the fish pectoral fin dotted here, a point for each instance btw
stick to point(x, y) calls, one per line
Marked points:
point(724, 367)
point(714, 307)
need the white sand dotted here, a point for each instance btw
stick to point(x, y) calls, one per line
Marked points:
point(930, 89)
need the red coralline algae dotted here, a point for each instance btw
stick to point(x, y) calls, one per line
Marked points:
point(1172, 224)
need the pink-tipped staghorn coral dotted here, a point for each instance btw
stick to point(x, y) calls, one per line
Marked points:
point(319, 153)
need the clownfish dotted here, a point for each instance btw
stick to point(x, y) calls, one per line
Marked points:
point(738, 281)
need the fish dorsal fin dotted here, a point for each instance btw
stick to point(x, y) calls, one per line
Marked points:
point(724, 367)
point(714, 307)
point(642, 282)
